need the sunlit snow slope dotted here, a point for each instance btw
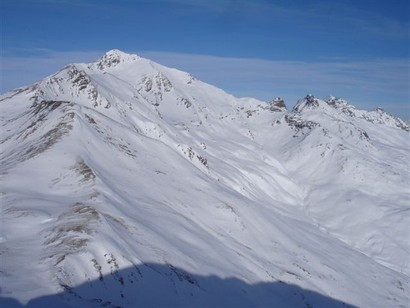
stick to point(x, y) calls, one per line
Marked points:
point(127, 183)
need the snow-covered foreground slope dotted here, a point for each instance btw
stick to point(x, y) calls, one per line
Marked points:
point(126, 183)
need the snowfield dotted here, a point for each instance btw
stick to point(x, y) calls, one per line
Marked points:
point(125, 183)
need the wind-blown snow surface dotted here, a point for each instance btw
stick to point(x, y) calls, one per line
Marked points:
point(126, 183)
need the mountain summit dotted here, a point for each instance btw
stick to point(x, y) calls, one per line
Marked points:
point(114, 57)
point(128, 183)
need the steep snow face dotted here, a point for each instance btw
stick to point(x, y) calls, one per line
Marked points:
point(137, 179)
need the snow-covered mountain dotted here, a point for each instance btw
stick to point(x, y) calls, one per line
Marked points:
point(125, 183)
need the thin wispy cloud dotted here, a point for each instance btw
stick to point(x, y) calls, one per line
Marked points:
point(34, 65)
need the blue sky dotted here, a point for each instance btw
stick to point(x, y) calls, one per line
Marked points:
point(354, 49)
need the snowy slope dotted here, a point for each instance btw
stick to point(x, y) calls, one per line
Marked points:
point(127, 183)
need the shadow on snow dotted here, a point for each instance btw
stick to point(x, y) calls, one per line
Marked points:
point(156, 285)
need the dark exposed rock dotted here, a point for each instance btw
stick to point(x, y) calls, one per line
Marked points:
point(300, 125)
point(278, 105)
point(308, 102)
